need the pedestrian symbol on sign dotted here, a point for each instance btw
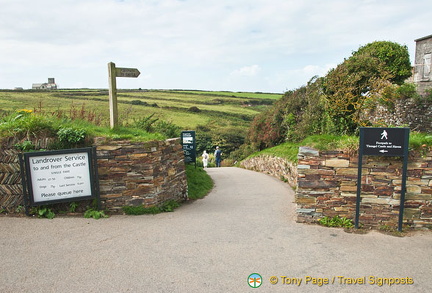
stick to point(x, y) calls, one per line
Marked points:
point(384, 135)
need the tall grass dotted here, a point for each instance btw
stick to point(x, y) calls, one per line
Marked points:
point(199, 182)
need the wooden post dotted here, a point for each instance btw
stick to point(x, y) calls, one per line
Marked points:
point(114, 72)
point(112, 95)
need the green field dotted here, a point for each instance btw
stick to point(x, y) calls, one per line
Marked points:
point(186, 109)
point(234, 94)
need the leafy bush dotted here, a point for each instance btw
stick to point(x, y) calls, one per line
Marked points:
point(334, 104)
point(71, 136)
point(145, 123)
point(407, 91)
point(43, 212)
point(154, 125)
point(25, 146)
point(336, 221)
point(393, 57)
point(168, 129)
point(26, 126)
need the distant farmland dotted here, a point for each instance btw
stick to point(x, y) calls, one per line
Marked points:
point(186, 109)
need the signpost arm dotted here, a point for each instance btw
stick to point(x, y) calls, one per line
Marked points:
point(112, 95)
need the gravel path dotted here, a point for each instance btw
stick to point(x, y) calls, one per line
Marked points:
point(245, 225)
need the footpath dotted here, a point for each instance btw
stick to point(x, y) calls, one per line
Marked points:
point(242, 234)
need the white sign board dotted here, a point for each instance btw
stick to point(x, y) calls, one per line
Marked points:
point(57, 176)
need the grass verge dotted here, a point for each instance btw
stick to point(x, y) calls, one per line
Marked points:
point(167, 206)
point(419, 142)
point(199, 182)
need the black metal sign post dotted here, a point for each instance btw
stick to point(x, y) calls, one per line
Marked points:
point(59, 176)
point(383, 142)
point(189, 146)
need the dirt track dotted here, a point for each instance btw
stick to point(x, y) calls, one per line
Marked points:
point(245, 225)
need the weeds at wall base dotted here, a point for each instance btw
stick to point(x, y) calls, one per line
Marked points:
point(168, 206)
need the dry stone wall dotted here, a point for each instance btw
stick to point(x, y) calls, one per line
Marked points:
point(326, 185)
point(417, 115)
point(274, 166)
point(147, 173)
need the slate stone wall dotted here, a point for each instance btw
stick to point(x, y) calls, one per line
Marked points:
point(326, 185)
point(417, 115)
point(274, 166)
point(147, 173)
point(11, 195)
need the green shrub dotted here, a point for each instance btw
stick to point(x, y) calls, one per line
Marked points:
point(71, 136)
point(168, 129)
point(25, 146)
point(145, 123)
point(26, 126)
point(43, 212)
point(336, 221)
point(407, 91)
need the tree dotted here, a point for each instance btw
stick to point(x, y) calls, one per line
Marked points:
point(361, 78)
point(393, 56)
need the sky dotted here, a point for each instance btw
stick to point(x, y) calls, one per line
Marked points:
point(221, 45)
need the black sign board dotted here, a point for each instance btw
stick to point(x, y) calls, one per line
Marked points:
point(375, 141)
point(384, 141)
point(59, 176)
point(189, 146)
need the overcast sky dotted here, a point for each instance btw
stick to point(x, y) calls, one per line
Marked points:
point(234, 45)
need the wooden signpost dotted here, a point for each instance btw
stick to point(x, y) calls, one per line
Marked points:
point(114, 72)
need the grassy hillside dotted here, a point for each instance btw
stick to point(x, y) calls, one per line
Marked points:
point(186, 109)
point(219, 118)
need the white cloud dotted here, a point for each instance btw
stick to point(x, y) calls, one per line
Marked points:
point(251, 70)
point(195, 43)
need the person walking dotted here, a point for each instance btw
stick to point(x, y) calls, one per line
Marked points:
point(218, 156)
point(205, 157)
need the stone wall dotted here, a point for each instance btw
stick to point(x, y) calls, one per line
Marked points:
point(327, 186)
point(11, 195)
point(274, 166)
point(146, 173)
point(417, 115)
